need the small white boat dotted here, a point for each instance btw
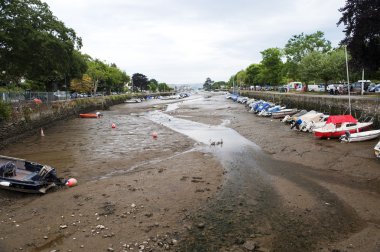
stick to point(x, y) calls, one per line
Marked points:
point(284, 112)
point(377, 150)
point(360, 136)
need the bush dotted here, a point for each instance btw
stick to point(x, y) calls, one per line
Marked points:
point(5, 111)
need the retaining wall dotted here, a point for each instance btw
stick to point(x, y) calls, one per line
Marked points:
point(361, 106)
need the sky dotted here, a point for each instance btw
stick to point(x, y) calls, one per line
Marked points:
point(186, 41)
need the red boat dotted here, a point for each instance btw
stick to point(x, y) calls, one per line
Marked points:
point(97, 115)
point(338, 125)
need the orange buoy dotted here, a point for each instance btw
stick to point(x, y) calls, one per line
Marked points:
point(113, 126)
point(71, 182)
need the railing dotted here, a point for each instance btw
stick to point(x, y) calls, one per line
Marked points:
point(24, 97)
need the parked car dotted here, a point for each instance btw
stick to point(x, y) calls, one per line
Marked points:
point(372, 87)
point(357, 86)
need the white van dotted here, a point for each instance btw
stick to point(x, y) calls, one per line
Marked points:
point(315, 88)
point(295, 85)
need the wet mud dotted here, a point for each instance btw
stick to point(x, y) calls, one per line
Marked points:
point(216, 178)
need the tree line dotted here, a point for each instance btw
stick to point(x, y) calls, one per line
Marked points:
point(38, 52)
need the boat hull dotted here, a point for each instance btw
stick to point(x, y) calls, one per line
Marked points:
point(361, 136)
point(338, 133)
point(88, 115)
point(377, 150)
point(25, 176)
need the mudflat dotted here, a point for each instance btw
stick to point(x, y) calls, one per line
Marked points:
point(288, 191)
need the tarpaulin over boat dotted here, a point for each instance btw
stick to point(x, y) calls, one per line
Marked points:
point(341, 119)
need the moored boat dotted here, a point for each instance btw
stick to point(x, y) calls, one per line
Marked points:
point(89, 115)
point(360, 136)
point(26, 176)
point(284, 112)
point(377, 150)
point(338, 125)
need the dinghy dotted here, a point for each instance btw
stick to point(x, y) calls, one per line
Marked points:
point(360, 136)
point(26, 176)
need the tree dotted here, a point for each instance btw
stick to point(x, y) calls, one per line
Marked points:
point(97, 71)
point(82, 85)
point(240, 78)
point(153, 85)
point(362, 21)
point(163, 87)
point(311, 66)
point(218, 85)
point(301, 45)
point(271, 66)
point(208, 83)
point(253, 74)
point(140, 81)
point(328, 67)
point(34, 44)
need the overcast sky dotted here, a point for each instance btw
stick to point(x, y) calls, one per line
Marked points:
point(186, 41)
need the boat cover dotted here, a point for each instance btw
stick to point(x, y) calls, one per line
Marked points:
point(341, 119)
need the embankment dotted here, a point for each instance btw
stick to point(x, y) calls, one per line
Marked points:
point(361, 106)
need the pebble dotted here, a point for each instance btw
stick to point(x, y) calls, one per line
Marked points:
point(201, 225)
point(63, 226)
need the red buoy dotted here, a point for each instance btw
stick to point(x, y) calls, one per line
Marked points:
point(154, 134)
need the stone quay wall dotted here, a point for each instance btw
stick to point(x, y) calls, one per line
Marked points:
point(361, 106)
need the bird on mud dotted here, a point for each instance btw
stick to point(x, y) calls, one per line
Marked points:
point(212, 143)
point(220, 142)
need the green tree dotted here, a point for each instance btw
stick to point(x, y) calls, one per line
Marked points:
point(362, 21)
point(34, 44)
point(271, 66)
point(253, 74)
point(97, 71)
point(311, 66)
point(328, 67)
point(218, 85)
point(153, 85)
point(208, 84)
point(240, 78)
point(301, 45)
point(163, 87)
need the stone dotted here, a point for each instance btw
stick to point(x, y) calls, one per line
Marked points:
point(250, 245)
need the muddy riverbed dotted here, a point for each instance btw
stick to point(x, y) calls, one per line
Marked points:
point(216, 178)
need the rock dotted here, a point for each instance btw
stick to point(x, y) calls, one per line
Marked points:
point(63, 226)
point(201, 225)
point(45, 237)
point(133, 205)
point(110, 249)
point(149, 215)
point(250, 245)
